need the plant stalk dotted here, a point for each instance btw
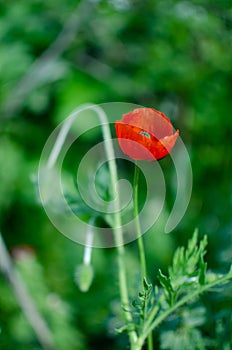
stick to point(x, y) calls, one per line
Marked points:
point(137, 223)
point(141, 249)
point(117, 225)
point(118, 234)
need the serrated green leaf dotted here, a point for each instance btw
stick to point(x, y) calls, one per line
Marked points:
point(147, 286)
point(184, 285)
point(136, 305)
point(192, 244)
point(178, 261)
point(164, 280)
point(203, 244)
point(166, 284)
point(188, 265)
point(202, 270)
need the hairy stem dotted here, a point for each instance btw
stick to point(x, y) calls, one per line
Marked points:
point(117, 225)
point(118, 234)
point(137, 223)
point(142, 256)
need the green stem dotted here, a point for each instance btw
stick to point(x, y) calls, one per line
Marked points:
point(137, 222)
point(117, 225)
point(118, 234)
point(139, 236)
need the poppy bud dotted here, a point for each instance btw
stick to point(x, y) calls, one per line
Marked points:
point(84, 276)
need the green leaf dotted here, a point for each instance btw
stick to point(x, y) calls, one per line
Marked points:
point(192, 244)
point(147, 286)
point(188, 264)
point(184, 284)
point(202, 270)
point(167, 285)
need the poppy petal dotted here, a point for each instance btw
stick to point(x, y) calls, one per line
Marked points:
point(151, 120)
point(164, 146)
point(145, 134)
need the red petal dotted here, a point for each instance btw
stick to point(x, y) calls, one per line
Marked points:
point(164, 146)
point(150, 120)
point(137, 146)
point(145, 134)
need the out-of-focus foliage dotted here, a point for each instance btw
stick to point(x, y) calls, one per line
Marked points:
point(187, 279)
point(168, 54)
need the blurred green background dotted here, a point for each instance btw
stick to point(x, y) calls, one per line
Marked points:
point(172, 55)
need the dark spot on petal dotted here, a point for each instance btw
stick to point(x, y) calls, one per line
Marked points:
point(145, 133)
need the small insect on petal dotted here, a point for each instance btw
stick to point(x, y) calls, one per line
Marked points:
point(145, 133)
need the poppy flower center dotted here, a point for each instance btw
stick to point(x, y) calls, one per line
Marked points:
point(145, 133)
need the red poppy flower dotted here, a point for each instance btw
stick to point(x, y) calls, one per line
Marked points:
point(145, 134)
